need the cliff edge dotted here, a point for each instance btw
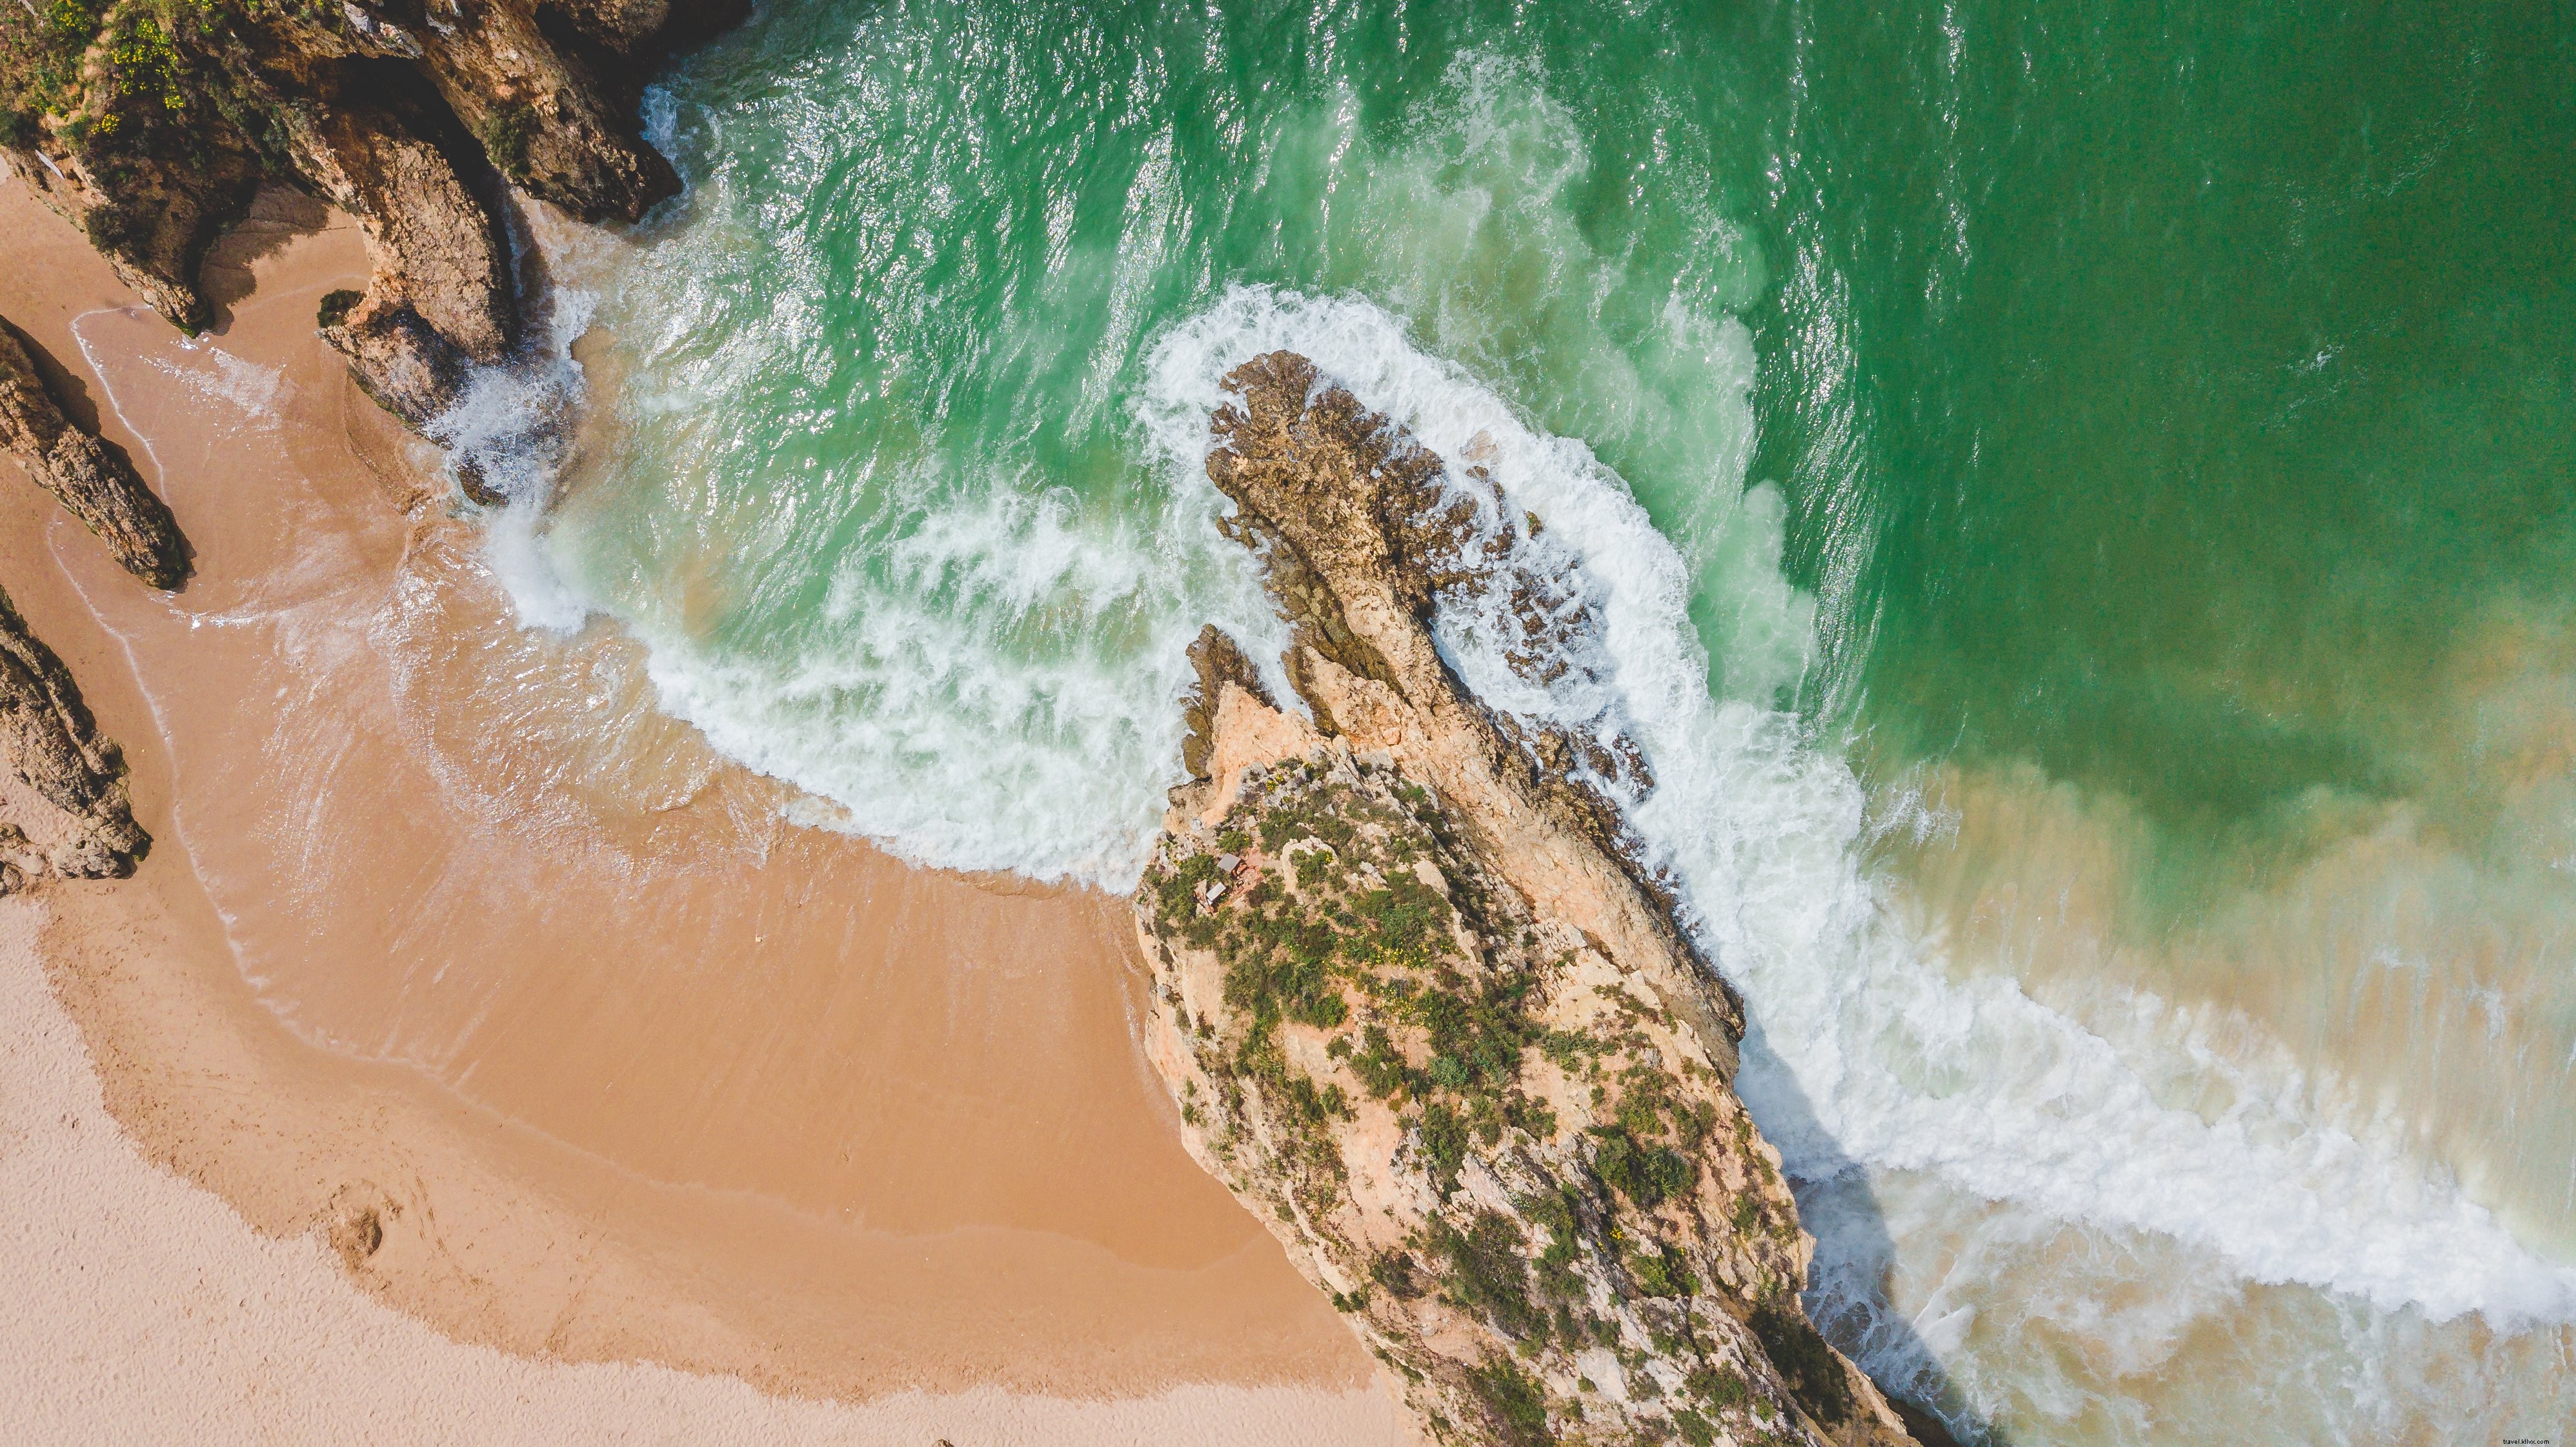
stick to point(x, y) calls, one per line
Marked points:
point(1427, 1013)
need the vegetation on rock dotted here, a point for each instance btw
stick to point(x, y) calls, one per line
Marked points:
point(1419, 1016)
point(150, 123)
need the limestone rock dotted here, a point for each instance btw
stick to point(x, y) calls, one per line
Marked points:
point(97, 486)
point(415, 116)
point(63, 807)
point(1218, 661)
point(1437, 1025)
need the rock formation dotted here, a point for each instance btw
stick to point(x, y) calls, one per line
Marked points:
point(98, 486)
point(1427, 1012)
point(63, 809)
point(150, 125)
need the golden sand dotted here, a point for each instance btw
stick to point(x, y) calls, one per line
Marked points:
point(456, 955)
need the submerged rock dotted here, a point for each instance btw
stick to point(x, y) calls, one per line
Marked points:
point(63, 808)
point(1438, 1027)
point(96, 485)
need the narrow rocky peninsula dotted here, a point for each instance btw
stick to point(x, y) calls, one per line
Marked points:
point(151, 125)
point(1427, 1013)
point(94, 484)
point(63, 809)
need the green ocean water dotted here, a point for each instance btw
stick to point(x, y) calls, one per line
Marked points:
point(2118, 451)
point(2209, 375)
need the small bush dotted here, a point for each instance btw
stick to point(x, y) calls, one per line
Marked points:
point(1662, 1273)
point(1394, 1270)
point(336, 307)
point(1486, 1274)
point(1518, 1405)
point(1718, 1386)
point(1645, 1175)
point(1444, 1135)
point(1802, 1357)
point(505, 131)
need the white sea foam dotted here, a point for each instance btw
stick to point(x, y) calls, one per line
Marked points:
point(916, 716)
point(1864, 1048)
point(245, 386)
point(926, 706)
point(989, 684)
point(512, 423)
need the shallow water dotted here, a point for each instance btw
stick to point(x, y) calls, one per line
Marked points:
point(2074, 501)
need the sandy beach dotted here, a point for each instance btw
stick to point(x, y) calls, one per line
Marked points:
point(462, 983)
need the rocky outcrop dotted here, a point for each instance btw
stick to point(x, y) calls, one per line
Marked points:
point(150, 127)
point(96, 485)
point(1427, 1012)
point(63, 808)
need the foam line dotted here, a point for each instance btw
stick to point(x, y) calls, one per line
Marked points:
point(1856, 1026)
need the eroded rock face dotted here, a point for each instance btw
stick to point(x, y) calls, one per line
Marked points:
point(63, 807)
point(411, 115)
point(97, 486)
point(1428, 1016)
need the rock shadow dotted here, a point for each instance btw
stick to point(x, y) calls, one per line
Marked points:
point(1847, 1294)
point(278, 215)
point(117, 497)
point(69, 388)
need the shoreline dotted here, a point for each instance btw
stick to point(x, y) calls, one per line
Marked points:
point(910, 1145)
point(129, 1290)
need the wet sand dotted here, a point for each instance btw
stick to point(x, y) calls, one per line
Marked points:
point(455, 956)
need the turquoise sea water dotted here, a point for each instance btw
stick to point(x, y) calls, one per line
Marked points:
point(2082, 495)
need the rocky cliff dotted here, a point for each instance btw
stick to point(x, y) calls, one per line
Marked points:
point(1425, 1010)
point(63, 809)
point(96, 485)
point(149, 123)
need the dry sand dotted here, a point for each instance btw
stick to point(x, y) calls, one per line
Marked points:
point(135, 1307)
point(457, 960)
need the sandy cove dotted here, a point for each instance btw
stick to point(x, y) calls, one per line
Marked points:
point(459, 972)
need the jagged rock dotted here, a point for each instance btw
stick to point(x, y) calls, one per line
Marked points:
point(1218, 661)
point(67, 784)
point(408, 114)
point(152, 223)
point(1431, 1026)
point(1361, 532)
point(97, 486)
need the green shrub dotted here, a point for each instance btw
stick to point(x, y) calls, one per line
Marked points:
point(1394, 1270)
point(336, 307)
point(505, 131)
point(1644, 1174)
point(1662, 1272)
point(1518, 1404)
point(1815, 1377)
point(1717, 1386)
point(1485, 1273)
point(1444, 1136)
